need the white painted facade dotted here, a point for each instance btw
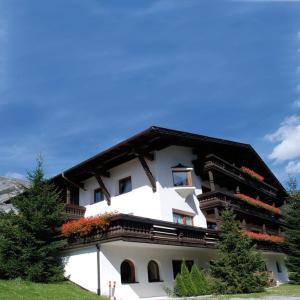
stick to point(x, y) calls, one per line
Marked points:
point(111, 257)
point(142, 201)
point(81, 267)
point(81, 263)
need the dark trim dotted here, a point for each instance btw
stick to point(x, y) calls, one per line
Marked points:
point(149, 140)
point(98, 246)
point(121, 180)
point(103, 188)
point(75, 184)
point(148, 172)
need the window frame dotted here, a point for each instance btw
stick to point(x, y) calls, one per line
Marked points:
point(132, 270)
point(158, 279)
point(122, 180)
point(189, 177)
point(101, 191)
point(183, 215)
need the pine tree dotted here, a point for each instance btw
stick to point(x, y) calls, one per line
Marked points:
point(239, 268)
point(292, 232)
point(29, 247)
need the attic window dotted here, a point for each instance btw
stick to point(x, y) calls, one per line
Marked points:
point(182, 175)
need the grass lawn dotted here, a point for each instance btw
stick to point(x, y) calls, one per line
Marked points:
point(282, 290)
point(22, 290)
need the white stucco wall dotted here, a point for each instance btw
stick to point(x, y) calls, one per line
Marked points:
point(142, 201)
point(81, 267)
point(169, 199)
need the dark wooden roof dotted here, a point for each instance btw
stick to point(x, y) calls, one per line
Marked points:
point(157, 138)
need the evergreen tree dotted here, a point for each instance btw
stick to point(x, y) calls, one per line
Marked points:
point(191, 283)
point(179, 288)
point(199, 282)
point(186, 280)
point(239, 268)
point(292, 232)
point(29, 244)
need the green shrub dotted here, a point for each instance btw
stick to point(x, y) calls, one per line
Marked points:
point(199, 282)
point(192, 283)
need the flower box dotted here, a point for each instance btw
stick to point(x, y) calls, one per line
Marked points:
point(264, 237)
point(258, 203)
point(252, 173)
point(85, 226)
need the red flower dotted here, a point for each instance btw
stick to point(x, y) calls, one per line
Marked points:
point(258, 203)
point(84, 226)
point(264, 237)
point(252, 173)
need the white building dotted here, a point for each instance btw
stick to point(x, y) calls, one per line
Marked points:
point(168, 188)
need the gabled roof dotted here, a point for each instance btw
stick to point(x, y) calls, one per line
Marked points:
point(157, 138)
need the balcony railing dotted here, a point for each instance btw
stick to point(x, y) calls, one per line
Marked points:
point(218, 163)
point(222, 199)
point(74, 211)
point(145, 230)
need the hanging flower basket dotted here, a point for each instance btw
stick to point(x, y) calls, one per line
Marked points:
point(252, 173)
point(258, 203)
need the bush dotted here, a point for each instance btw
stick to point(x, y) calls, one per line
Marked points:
point(192, 283)
point(199, 282)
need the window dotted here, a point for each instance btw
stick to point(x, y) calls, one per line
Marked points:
point(182, 177)
point(211, 225)
point(98, 195)
point(177, 266)
point(153, 271)
point(125, 185)
point(182, 219)
point(278, 267)
point(127, 272)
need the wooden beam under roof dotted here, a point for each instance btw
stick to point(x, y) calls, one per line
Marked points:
point(78, 185)
point(103, 188)
point(148, 172)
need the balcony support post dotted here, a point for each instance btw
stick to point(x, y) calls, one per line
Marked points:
point(264, 228)
point(217, 217)
point(244, 225)
point(68, 196)
point(211, 181)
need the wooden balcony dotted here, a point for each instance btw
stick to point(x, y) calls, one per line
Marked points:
point(74, 212)
point(150, 231)
point(218, 199)
point(220, 165)
point(143, 230)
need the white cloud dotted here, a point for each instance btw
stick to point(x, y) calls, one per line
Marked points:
point(293, 167)
point(297, 103)
point(287, 137)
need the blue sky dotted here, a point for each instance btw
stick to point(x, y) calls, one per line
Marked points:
point(78, 76)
